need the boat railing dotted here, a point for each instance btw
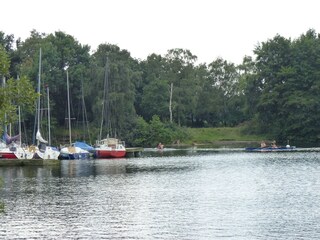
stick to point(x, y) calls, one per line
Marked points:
point(111, 142)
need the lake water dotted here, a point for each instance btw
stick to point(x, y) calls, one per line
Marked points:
point(185, 195)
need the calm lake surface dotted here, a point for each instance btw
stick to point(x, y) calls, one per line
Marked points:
point(169, 195)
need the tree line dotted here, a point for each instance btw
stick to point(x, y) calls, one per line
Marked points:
point(147, 101)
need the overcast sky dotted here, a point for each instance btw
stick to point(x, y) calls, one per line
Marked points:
point(208, 28)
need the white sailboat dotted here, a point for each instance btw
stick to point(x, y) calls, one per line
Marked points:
point(43, 151)
point(72, 151)
point(10, 148)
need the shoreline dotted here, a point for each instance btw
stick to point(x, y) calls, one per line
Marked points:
point(219, 144)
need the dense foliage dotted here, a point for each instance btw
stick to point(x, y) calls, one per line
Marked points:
point(144, 102)
point(14, 93)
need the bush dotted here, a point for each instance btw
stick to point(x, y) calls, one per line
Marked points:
point(150, 134)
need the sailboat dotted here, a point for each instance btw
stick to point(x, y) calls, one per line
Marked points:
point(72, 151)
point(43, 151)
point(108, 147)
point(83, 144)
point(10, 147)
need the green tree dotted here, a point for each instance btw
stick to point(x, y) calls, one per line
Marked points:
point(155, 92)
point(140, 134)
point(4, 62)
point(288, 73)
point(115, 65)
point(181, 75)
point(67, 53)
point(302, 105)
point(272, 57)
point(14, 93)
point(59, 51)
point(250, 86)
point(208, 103)
point(6, 41)
point(224, 78)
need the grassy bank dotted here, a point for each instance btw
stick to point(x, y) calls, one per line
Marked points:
point(219, 137)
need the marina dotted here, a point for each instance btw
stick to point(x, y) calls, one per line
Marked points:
point(130, 152)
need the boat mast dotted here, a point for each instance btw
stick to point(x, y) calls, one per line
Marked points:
point(19, 125)
point(104, 98)
point(69, 117)
point(38, 110)
point(49, 123)
point(84, 114)
point(5, 115)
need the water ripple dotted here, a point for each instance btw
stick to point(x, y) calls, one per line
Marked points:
point(224, 195)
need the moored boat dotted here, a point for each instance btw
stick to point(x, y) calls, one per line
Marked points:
point(46, 152)
point(43, 151)
point(16, 152)
point(110, 148)
point(85, 146)
point(271, 149)
point(10, 148)
point(72, 152)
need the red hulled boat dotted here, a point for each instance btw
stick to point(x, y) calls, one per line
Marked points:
point(110, 148)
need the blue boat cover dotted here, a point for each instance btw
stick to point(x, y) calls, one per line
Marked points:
point(84, 146)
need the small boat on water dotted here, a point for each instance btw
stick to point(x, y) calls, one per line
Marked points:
point(110, 148)
point(271, 149)
point(72, 152)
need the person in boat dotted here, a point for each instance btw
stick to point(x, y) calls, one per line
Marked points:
point(273, 144)
point(263, 144)
point(160, 146)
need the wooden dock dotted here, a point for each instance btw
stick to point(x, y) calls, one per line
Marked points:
point(134, 152)
point(29, 162)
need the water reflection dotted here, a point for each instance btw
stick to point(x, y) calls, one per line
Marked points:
point(209, 195)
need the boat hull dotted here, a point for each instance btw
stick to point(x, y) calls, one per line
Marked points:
point(72, 156)
point(110, 148)
point(16, 152)
point(110, 153)
point(7, 155)
point(46, 152)
point(72, 152)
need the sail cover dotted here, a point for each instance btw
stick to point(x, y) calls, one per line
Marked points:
point(9, 139)
point(40, 138)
